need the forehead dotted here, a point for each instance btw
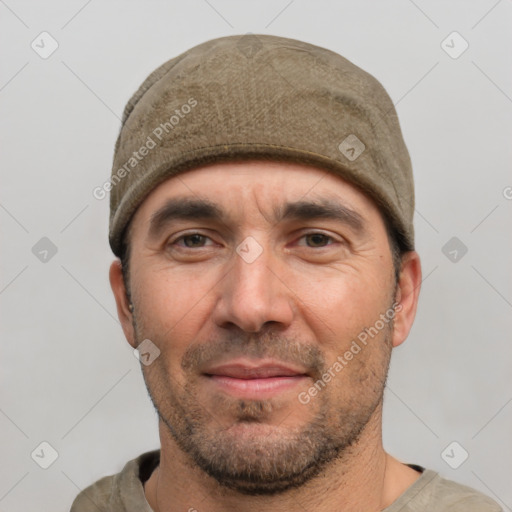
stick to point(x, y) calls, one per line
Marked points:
point(258, 186)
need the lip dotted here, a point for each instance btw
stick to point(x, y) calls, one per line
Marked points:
point(255, 369)
point(251, 379)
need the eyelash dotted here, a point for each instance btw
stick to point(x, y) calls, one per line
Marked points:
point(311, 233)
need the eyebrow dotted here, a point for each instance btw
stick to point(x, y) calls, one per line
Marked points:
point(202, 209)
point(323, 208)
point(183, 209)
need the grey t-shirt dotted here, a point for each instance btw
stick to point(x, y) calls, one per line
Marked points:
point(124, 492)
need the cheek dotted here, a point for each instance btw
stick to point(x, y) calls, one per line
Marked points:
point(342, 314)
point(164, 318)
point(340, 307)
point(169, 306)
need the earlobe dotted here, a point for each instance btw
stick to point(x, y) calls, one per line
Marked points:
point(407, 296)
point(124, 311)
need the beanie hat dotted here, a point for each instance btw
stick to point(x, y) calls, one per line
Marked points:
point(258, 96)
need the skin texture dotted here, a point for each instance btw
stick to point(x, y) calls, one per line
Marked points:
point(315, 287)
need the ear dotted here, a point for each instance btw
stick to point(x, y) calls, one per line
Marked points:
point(122, 301)
point(408, 291)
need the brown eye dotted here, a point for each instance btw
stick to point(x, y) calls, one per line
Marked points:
point(194, 240)
point(317, 239)
point(191, 241)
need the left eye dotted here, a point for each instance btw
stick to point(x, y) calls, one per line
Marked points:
point(317, 239)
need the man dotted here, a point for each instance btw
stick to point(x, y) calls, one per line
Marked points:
point(261, 207)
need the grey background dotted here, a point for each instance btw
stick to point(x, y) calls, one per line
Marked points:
point(69, 378)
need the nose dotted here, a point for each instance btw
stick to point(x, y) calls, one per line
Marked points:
point(254, 292)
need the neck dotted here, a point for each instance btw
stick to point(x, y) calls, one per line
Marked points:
point(365, 478)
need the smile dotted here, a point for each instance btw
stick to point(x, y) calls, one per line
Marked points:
point(255, 380)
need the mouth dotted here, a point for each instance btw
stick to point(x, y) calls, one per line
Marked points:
point(257, 380)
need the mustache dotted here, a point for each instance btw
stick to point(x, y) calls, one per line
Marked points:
point(269, 345)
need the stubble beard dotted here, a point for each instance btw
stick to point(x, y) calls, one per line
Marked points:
point(251, 456)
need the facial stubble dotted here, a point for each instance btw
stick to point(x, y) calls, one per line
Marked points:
point(248, 454)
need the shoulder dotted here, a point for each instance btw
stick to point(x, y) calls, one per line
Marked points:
point(115, 492)
point(432, 492)
point(456, 497)
point(95, 497)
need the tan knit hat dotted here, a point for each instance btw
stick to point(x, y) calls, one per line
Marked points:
point(261, 96)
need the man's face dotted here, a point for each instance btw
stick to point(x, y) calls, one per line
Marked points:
point(252, 298)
